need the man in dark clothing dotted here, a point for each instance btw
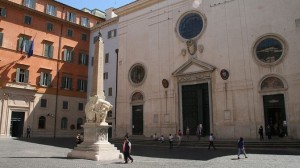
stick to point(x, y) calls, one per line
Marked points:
point(127, 150)
point(241, 147)
point(261, 133)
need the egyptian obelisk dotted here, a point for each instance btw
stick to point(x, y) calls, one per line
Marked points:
point(95, 145)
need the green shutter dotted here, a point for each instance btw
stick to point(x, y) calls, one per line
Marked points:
point(72, 56)
point(18, 75)
point(78, 84)
point(1, 39)
point(68, 16)
point(49, 79)
point(26, 76)
point(41, 78)
point(51, 51)
point(71, 83)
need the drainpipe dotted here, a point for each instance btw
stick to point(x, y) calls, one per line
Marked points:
point(57, 75)
point(117, 65)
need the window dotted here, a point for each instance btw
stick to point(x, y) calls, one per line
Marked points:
point(22, 75)
point(79, 123)
point(51, 10)
point(190, 25)
point(112, 33)
point(137, 74)
point(105, 75)
point(109, 114)
point(64, 123)
point(84, 37)
point(70, 33)
point(43, 102)
point(83, 59)
point(269, 49)
point(68, 55)
point(45, 79)
point(71, 17)
point(24, 44)
point(48, 50)
point(50, 27)
point(85, 22)
point(29, 3)
point(80, 106)
point(109, 91)
point(92, 61)
point(106, 57)
point(2, 12)
point(42, 122)
point(82, 85)
point(66, 83)
point(65, 105)
point(1, 39)
point(27, 20)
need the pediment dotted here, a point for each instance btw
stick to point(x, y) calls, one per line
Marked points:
point(193, 66)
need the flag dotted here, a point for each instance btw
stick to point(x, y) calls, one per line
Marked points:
point(22, 49)
point(30, 51)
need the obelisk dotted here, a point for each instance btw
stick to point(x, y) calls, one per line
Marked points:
point(95, 145)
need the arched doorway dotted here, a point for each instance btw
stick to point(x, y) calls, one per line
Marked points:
point(137, 114)
point(274, 105)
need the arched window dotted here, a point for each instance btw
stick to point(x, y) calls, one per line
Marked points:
point(42, 122)
point(64, 123)
point(137, 97)
point(79, 123)
point(271, 83)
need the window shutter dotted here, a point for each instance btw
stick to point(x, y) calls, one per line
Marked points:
point(63, 82)
point(18, 75)
point(82, 21)
point(68, 16)
point(78, 85)
point(54, 11)
point(49, 79)
point(109, 34)
point(87, 60)
point(72, 57)
point(65, 55)
point(33, 4)
point(51, 51)
point(46, 51)
point(1, 39)
point(79, 58)
point(26, 76)
point(85, 85)
point(41, 78)
point(28, 42)
point(20, 43)
point(73, 18)
point(70, 83)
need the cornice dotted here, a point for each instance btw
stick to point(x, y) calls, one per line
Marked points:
point(106, 23)
point(135, 6)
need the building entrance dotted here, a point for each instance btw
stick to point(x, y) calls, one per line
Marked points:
point(274, 111)
point(17, 124)
point(137, 120)
point(195, 108)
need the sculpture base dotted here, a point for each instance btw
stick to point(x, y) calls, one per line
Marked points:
point(95, 145)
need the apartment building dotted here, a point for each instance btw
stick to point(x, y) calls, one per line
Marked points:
point(44, 58)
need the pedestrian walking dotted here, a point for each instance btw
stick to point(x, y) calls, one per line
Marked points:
point(211, 141)
point(179, 135)
point(241, 147)
point(261, 133)
point(199, 131)
point(127, 150)
point(171, 141)
point(162, 139)
point(28, 131)
point(187, 132)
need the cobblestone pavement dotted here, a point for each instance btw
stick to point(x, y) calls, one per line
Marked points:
point(15, 153)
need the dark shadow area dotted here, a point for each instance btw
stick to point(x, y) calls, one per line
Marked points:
point(57, 142)
point(39, 157)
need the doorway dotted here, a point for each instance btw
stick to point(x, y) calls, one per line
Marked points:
point(137, 120)
point(17, 124)
point(274, 111)
point(195, 108)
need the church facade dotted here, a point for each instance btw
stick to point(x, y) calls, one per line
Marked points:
point(230, 65)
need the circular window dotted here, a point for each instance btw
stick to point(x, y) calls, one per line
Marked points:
point(137, 74)
point(269, 49)
point(190, 25)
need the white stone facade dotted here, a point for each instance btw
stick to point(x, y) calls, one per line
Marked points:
point(148, 36)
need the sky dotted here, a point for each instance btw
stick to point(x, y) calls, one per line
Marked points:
point(92, 4)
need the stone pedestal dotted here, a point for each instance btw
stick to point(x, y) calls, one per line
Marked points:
point(95, 145)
